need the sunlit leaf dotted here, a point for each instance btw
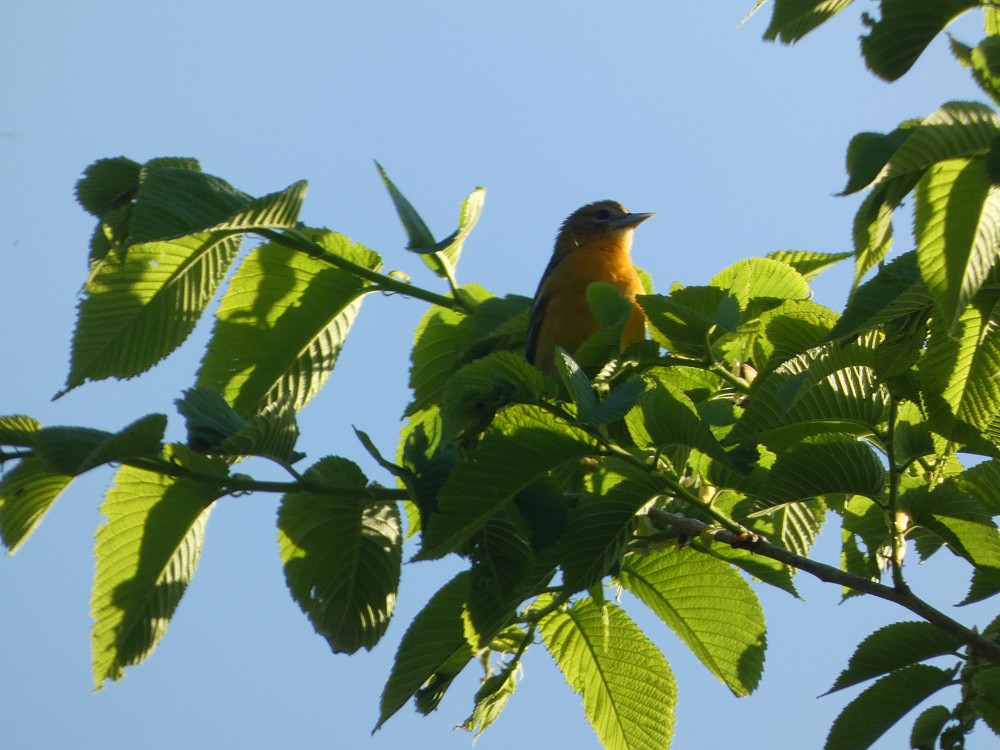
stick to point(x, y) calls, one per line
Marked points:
point(146, 553)
point(710, 607)
point(282, 323)
point(629, 694)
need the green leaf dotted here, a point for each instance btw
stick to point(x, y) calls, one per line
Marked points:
point(690, 318)
point(824, 465)
point(522, 444)
point(146, 553)
point(282, 323)
point(906, 27)
point(75, 450)
point(808, 263)
point(433, 648)
point(790, 329)
point(342, 557)
point(986, 697)
point(710, 607)
point(176, 202)
point(793, 19)
point(927, 728)
point(956, 129)
point(894, 647)
point(756, 278)
point(438, 343)
point(138, 308)
point(108, 184)
point(958, 372)
point(451, 247)
point(895, 292)
point(957, 230)
point(26, 493)
point(491, 698)
point(18, 430)
point(600, 525)
point(868, 154)
point(830, 389)
point(628, 690)
point(577, 384)
point(980, 481)
point(666, 417)
point(214, 427)
point(985, 62)
point(878, 708)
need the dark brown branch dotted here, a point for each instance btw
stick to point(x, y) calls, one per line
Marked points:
point(691, 527)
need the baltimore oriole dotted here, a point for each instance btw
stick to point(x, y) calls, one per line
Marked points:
point(593, 244)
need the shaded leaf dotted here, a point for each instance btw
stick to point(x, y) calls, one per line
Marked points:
point(522, 444)
point(894, 647)
point(824, 465)
point(871, 714)
point(433, 645)
point(906, 27)
point(26, 493)
point(793, 19)
point(341, 557)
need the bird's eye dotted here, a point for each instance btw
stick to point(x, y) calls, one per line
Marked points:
point(602, 214)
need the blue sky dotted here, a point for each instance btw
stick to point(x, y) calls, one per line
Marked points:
point(737, 145)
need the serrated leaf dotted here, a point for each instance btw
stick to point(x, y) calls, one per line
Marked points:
point(108, 184)
point(138, 309)
point(616, 404)
point(666, 417)
point(146, 552)
point(894, 647)
point(868, 154)
point(18, 430)
point(26, 493)
point(451, 246)
point(433, 645)
point(808, 263)
point(793, 19)
point(895, 292)
point(755, 278)
point(985, 62)
point(906, 27)
point(927, 728)
point(957, 230)
point(958, 372)
point(75, 450)
point(341, 557)
point(709, 606)
point(829, 389)
point(282, 323)
point(577, 384)
point(629, 694)
point(824, 465)
point(522, 445)
point(686, 321)
point(987, 697)
point(599, 525)
point(490, 699)
point(871, 714)
point(438, 343)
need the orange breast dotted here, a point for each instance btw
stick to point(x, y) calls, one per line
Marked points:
point(567, 320)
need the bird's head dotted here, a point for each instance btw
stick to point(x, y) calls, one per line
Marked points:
point(601, 221)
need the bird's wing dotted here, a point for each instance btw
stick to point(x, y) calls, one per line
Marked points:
point(538, 313)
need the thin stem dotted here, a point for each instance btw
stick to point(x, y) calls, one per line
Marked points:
point(241, 483)
point(296, 241)
point(691, 527)
point(895, 535)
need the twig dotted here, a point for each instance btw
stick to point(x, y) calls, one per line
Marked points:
point(691, 527)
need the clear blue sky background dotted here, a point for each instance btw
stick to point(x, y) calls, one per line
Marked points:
point(737, 145)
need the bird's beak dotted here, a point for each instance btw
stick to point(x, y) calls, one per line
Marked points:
point(632, 220)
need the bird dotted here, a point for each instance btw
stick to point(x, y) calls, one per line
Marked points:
point(593, 244)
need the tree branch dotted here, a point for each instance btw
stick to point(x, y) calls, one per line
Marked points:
point(758, 545)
